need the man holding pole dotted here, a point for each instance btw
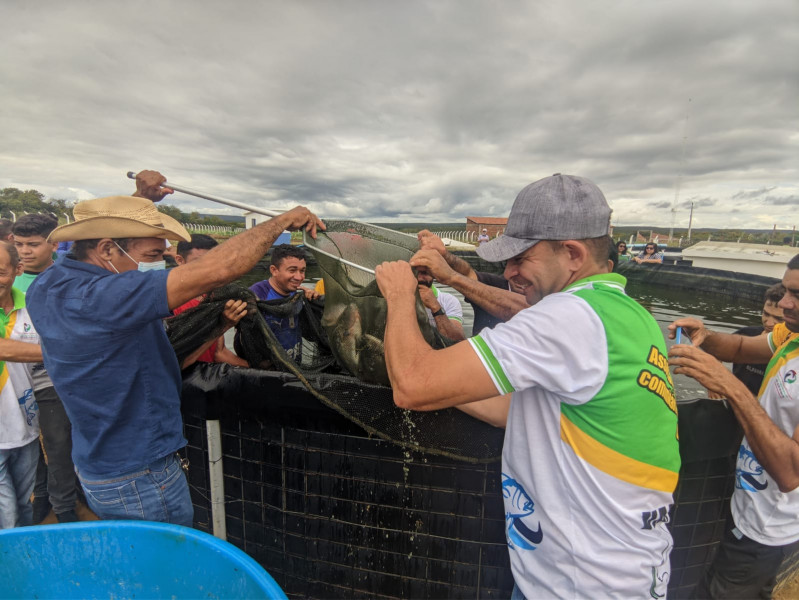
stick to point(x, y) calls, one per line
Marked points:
point(105, 348)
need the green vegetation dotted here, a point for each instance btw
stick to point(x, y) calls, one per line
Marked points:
point(15, 202)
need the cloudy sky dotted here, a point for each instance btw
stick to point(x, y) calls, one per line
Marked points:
point(413, 110)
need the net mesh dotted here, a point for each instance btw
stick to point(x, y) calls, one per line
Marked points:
point(342, 362)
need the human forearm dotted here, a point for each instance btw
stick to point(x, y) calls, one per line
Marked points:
point(459, 265)
point(423, 378)
point(777, 452)
point(16, 351)
point(450, 328)
point(500, 303)
point(235, 257)
point(730, 347)
point(197, 353)
point(493, 411)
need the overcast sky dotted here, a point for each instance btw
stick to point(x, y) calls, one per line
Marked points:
point(412, 110)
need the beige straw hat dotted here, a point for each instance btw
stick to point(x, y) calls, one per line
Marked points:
point(118, 217)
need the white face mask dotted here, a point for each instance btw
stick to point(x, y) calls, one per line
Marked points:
point(158, 265)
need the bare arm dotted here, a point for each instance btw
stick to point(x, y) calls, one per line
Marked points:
point(223, 355)
point(235, 257)
point(776, 451)
point(493, 411)
point(430, 241)
point(424, 378)
point(447, 327)
point(500, 303)
point(450, 328)
point(727, 347)
point(16, 351)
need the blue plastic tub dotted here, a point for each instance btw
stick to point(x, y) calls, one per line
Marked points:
point(126, 559)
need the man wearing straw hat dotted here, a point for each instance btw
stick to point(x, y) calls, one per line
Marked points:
point(590, 458)
point(105, 348)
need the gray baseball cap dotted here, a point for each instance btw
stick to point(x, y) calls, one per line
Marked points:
point(560, 207)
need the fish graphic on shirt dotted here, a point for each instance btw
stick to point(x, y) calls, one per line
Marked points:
point(520, 534)
point(749, 472)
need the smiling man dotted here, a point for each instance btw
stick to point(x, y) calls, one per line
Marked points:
point(287, 269)
point(590, 458)
point(763, 527)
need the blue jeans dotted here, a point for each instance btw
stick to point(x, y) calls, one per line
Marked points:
point(17, 476)
point(156, 492)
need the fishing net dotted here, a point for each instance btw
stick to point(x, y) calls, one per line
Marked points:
point(342, 362)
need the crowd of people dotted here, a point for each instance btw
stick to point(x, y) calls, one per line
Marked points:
point(577, 373)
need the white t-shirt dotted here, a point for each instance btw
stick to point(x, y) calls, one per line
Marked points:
point(576, 529)
point(19, 413)
point(760, 510)
point(449, 304)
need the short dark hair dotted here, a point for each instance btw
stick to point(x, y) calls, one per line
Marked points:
point(30, 225)
point(613, 253)
point(199, 241)
point(774, 293)
point(285, 251)
point(653, 244)
point(13, 255)
point(600, 248)
point(6, 225)
point(794, 262)
point(80, 249)
point(621, 242)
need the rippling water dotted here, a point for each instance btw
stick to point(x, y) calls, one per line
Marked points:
point(719, 313)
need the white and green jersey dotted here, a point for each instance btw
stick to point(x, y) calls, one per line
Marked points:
point(760, 510)
point(19, 413)
point(449, 304)
point(591, 455)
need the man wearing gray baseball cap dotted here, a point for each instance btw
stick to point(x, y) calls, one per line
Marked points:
point(581, 382)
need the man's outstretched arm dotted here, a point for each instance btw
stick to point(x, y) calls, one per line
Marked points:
point(727, 347)
point(500, 303)
point(777, 452)
point(424, 378)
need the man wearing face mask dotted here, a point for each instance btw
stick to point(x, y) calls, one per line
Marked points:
point(100, 310)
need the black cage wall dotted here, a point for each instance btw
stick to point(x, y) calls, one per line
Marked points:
point(332, 513)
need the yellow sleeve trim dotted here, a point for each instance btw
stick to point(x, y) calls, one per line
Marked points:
point(614, 463)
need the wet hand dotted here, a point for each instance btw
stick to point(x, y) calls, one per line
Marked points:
point(148, 185)
point(430, 241)
point(300, 217)
point(435, 263)
point(309, 293)
point(395, 280)
point(234, 311)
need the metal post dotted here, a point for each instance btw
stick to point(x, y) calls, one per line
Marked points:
point(216, 478)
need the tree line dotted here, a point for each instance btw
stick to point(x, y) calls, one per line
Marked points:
point(15, 202)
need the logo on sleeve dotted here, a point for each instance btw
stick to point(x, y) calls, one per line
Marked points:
point(749, 473)
point(522, 532)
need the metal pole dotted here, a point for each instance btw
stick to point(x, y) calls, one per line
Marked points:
point(233, 203)
point(216, 478)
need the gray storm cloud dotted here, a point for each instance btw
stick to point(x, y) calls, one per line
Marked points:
point(423, 110)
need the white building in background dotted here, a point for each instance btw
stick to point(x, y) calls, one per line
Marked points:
point(251, 219)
